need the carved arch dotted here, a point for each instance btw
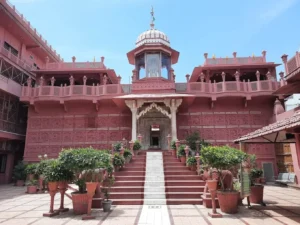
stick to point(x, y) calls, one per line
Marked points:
point(158, 108)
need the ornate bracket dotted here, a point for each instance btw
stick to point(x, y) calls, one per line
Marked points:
point(158, 108)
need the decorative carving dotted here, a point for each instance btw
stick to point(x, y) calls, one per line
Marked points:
point(158, 108)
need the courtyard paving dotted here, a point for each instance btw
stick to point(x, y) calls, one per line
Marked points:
point(16, 207)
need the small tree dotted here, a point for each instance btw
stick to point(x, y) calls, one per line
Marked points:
point(195, 142)
point(222, 158)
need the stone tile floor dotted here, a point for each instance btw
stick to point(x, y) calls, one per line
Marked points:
point(16, 207)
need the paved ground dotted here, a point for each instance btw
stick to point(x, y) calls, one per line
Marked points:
point(19, 208)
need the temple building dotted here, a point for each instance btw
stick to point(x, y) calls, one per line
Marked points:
point(82, 104)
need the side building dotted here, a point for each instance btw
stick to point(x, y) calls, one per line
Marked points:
point(22, 49)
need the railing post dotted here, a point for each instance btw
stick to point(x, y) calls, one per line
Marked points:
point(97, 90)
point(249, 86)
point(202, 82)
point(104, 84)
point(61, 90)
point(215, 86)
point(245, 85)
point(269, 77)
point(71, 81)
point(119, 85)
point(237, 79)
point(93, 89)
point(210, 86)
point(284, 60)
point(223, 81)
point(84, 85)
point(258, 80)
point(52, 86)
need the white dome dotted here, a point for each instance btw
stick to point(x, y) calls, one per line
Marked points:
point(152, 36)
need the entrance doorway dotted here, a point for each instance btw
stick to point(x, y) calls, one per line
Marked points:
point(155, 136)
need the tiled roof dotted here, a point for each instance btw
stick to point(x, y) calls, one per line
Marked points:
point(280, 125)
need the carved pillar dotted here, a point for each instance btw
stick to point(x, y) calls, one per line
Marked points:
point(71, 84)
point(175, 103)
point(133, 107)
point(282, 81)
point(41, 85)
point(52, 86)
point(29, 83)
point(202, 76)
point(284, 60)
point(223, 79)
point(258, 79)
point(84, 85)
point(104, 84)
point(269, 77)
point(237, 79)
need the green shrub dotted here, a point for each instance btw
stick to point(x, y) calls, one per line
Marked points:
point(117, 146)
point(31, 183)
point(137, 145)
point(222, 158)
point(127, 153)
point(180, 151)
point(173, 145)
point(19, 172)
point(192, 161)
point(31, 168)
point(55, 171)
point(118, 160)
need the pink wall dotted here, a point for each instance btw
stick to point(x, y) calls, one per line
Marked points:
point(228, 120)
point(52, 128)
point(295, 150)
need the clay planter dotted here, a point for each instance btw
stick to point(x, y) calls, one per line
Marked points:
point(228, 201)
point(212, 185)
point(193, 167)
point(52, 186)
point(91, 187)
point(257, 194)
point(20, 183)
point(106, 205)
point(183, 159)
point(80, 203)
point(30, 176)
point(31, 189)
point(97, 203)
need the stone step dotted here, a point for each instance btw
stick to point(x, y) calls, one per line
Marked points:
point(129, 183)
point(130, 173)
point(170, 168)
point(132, 169)
point(180, 172)
point(127, 189)
point(171, 189)
point(129, 178)
point(127, 201)
point(182, 177)
point(186, 195)
point(184, 183)
point(126, 195)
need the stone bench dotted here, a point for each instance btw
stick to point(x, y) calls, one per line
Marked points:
point(286, 178)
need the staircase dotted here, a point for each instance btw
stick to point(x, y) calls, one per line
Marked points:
point(183, 186)
point(163, 180)
point(128, 188)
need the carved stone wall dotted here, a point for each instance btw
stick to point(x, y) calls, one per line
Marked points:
point(82, 126)
point(144, 125)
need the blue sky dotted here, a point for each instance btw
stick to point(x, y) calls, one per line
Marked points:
point(110, 27)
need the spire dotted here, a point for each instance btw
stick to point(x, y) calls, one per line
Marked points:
point(152, 19)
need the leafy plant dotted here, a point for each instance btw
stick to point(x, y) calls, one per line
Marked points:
point(40, 167)
point(127, 154)
point(236, 185)
point(31, 183)
point(19, 171)
point(137, 145)
point(118, 160)
point(117, 146)
point(192, 161)
point(173, 145)
point(57, 171)
point(106, 189)
point(222, 158)
point(180, 151)
point(31, 168)
point(92, 175)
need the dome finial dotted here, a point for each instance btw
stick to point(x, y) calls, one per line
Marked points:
point(152, 19)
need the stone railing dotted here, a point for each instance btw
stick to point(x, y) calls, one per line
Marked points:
point(22, 63)
point(233, 86)
point(26, 24)
point(74, 65)
point(293, 63)
point(71, 91)
point(237, 60)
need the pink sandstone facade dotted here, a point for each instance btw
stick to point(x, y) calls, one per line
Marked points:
point(81, 104)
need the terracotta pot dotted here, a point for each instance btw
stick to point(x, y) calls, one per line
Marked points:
point(91, 187)
point(182, 159)
point(80, 203)
point(257, 194)
point(97, 203)
point(212, 185)
point(20, 183)
point(193, 167)
point(62, 185)
point(228, 201)
point(30, 176)
point(52, 186)
point(258, 180)
point(31, 189)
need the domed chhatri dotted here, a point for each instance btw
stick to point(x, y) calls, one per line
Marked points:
point(152, 36)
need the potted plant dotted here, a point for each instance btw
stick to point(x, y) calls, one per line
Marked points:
point(19, 174)
point(181, 153)
point(31, 171)
point(173, 147)
point(192, 163)
point(257, 189)
point(136, 147)
point(80, 160)
point(31, 186)
point(39, 171)
point(118, 161)
point(224, 158)
point(127, 155)
point(106, 190)
point(117, 147)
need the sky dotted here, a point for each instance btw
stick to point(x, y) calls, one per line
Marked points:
point(109, 28)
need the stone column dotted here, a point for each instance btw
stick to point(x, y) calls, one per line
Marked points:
point(133, 107)
point(175, 103)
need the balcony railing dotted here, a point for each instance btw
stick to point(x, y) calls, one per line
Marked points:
point(74, 65)
point(71, 91)
point(237, 60)
point(232, 86)
point(22, 63)
point(12, 9)
point(293, 63)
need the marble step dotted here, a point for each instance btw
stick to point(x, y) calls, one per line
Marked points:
point(129, 178)
point(182, 177)
point(183, 194)
point(127, 189)
point(171, 189)
point(180, 172)
point(129, 183)
point(184, 182)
